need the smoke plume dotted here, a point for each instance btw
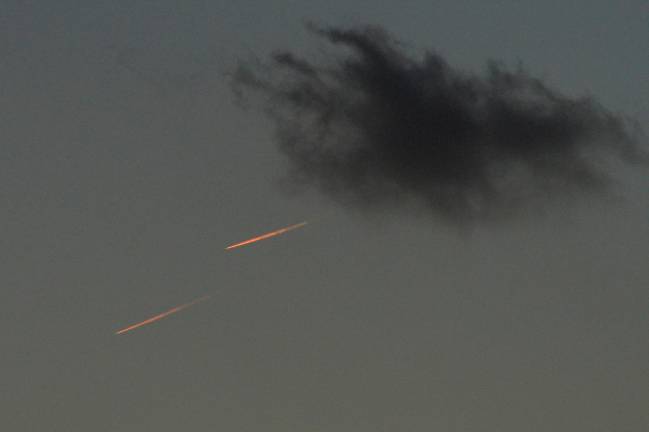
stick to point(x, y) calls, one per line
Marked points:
point(374, 127)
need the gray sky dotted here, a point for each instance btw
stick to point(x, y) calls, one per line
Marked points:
point(127, 167)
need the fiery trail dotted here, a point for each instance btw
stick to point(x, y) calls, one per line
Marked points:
point(162, 315)
point(267, 235)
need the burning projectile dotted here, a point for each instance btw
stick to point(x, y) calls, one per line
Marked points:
point(267, 235)
point(162, 315)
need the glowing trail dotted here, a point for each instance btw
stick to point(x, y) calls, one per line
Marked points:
point(162, 315)
point(267, 235)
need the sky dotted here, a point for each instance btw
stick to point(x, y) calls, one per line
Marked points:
point(128, 165)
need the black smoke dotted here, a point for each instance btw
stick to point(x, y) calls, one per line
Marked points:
point(374, 127)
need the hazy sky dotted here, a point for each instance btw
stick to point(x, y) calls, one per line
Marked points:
point(127, 167)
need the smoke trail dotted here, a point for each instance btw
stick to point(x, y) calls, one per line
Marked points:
point(377, 128)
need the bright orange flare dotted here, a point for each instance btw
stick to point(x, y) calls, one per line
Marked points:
point(265, 236)
point(162, 315)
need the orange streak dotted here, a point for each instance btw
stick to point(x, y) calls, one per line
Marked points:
point(265, 236)
point(162, 315)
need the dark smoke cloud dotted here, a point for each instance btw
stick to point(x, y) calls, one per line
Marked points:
point(375, 127)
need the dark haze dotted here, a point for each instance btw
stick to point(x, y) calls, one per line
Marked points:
point(376, 127)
